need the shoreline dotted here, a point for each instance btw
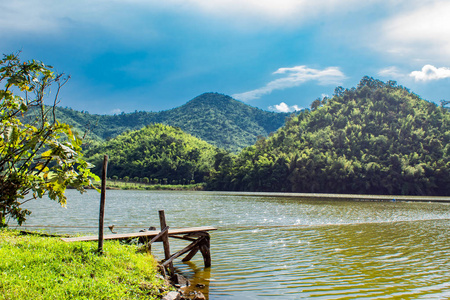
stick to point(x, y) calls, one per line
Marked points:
point(356, 197)
point(326, 196)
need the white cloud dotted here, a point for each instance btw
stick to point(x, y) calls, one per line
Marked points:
point(294, 77)
point(430, 72)
point(422, 33)
point(116, 111)
point(391, 72)
point(283, 107)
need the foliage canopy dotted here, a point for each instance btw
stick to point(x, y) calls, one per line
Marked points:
point(38, 154)
point(158, 152)
point(212, 117)
point(377, 138)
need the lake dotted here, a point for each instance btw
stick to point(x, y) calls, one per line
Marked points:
point(275, 247)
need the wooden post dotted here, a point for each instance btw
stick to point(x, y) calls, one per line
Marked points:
point(165, 240)
point(204, 249)
point(148, 246)
point(203, 246)
point(102, 206)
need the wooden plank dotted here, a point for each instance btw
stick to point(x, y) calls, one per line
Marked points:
point(197, 234)
point(181, 252)
point(184, 237)
point(190, 255)
point(158, 235)
point(152, 234)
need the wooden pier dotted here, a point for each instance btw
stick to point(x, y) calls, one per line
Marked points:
point(198, 236)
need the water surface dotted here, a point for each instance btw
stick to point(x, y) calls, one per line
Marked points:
point(284, 247)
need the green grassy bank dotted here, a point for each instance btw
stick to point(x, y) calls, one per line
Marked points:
point(36, 267)
point(121, 185)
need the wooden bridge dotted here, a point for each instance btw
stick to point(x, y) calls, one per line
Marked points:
point(198, 236)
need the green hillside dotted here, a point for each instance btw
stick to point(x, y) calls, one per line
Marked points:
point(378, 138)
point(223, 121)
point(215, 118)
point(161, 153)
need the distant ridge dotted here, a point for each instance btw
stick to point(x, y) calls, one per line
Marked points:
point(212, 117)
point(223, 121)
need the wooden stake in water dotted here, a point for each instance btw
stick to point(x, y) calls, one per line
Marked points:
point(165, 239)
point(102, 205)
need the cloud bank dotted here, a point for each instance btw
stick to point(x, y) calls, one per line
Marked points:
point(49, 15)
point(294, 77)
point(263, 11)
point(430, 72)
point(422, 32)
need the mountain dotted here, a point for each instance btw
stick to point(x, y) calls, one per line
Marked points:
point(218, 119)
point(377, 138)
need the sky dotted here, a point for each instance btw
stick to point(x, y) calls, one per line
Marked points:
point(277, 55)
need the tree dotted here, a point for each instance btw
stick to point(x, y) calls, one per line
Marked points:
point(38, 155)
point(155, 151)
point(339, 91)
point(315, 104)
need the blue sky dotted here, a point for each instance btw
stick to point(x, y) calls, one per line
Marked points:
point(278, 55)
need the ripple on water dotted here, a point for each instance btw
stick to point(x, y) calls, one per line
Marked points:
point(288, 248)
point(380, 260)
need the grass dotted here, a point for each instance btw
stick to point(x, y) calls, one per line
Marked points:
point(36, 267)
point(151, 187)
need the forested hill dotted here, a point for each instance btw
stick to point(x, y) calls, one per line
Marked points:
point(377, 138)
point(212, 117)
point(157, 153)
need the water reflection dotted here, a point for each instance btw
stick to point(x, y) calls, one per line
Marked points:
point(199, 277)
point(287, 248)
